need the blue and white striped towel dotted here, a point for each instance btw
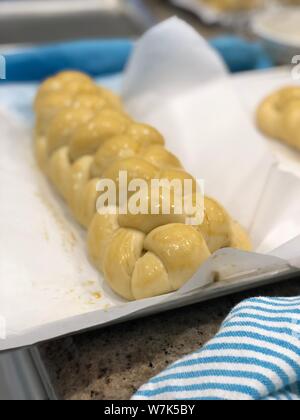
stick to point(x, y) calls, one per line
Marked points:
point(255, 356)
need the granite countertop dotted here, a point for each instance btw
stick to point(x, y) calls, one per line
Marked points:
point(112, 363)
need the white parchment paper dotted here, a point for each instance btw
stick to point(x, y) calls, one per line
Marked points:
point(48, 288)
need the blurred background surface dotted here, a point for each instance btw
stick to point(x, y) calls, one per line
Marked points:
point(40, 21)
point(238, 29)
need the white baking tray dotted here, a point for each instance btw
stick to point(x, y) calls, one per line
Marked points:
point(176, 82)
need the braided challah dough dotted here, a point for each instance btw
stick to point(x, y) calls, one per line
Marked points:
point(278, 116)
point(83, 136)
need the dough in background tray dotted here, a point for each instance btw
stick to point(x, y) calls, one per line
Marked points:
point(278, 116)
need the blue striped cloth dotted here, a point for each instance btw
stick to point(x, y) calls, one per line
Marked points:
point(255, 356)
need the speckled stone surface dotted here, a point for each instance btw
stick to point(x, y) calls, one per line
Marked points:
point(112, 363)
